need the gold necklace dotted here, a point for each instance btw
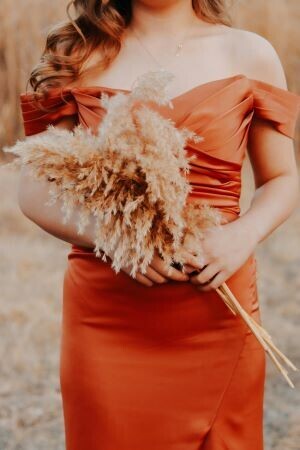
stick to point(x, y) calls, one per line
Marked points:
point(179, 47)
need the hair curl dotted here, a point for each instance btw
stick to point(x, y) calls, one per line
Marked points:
point(98, 24)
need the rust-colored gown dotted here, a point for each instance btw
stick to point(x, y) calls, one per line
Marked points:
point(167, 367)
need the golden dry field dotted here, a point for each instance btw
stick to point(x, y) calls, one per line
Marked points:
point(32, 262)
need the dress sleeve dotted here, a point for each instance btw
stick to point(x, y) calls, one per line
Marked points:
point(281, 107)
point(38, 114)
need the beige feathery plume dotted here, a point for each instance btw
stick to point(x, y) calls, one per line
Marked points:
point(129, 175)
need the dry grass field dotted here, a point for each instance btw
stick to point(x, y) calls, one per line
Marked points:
point(32, 262)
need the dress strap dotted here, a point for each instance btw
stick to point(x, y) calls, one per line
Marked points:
point(82, 103)
point(279, 106)
point(38, 114)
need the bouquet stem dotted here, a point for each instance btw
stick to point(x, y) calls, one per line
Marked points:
point(259, 332)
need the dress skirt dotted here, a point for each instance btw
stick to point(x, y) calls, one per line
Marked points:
point(165, 367)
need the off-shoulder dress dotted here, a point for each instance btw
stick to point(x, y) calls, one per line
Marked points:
point(166, 367)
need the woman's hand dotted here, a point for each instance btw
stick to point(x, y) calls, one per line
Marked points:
point(225, 249)
point(159, 272)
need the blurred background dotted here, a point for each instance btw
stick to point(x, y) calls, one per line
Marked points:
point(32, 262)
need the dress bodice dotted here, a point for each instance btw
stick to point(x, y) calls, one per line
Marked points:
point(220, 111)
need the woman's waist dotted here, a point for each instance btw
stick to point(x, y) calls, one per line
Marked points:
point(228, 214)
point(174, 310)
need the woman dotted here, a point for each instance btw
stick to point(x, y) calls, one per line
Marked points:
point(168, 367)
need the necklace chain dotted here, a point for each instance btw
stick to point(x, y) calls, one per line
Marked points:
point(179, 47)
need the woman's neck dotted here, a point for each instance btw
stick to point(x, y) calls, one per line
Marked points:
point(169, 19)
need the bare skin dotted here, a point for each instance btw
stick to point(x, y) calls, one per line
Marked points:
point(210, 52)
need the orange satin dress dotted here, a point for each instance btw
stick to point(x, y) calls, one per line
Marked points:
point(167, 367)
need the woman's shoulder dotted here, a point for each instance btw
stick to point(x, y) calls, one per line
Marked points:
point(256, 57)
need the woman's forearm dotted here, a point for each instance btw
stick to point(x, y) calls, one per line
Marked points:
point(33, 195)
point(271, 205)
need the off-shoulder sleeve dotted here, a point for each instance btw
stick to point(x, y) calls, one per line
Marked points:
point(37, 115)
point(277, 105)
point(82, 102)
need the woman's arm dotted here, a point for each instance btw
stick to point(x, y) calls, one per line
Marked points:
point(272, 157)
point(32, 197)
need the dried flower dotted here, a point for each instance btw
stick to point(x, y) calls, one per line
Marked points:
point(129, 175)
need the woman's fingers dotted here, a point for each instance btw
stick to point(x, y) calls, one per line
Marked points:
point(206, 274)
point(159, 272)
point(168, 271)
point(196, 262)
point(139, 276)
point(214, 283)
point(189, 269)
point(153, 275)
point(149, 278)
point(191, 264)
point(143, 280)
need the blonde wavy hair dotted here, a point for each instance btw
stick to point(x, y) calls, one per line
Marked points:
point(98, 24)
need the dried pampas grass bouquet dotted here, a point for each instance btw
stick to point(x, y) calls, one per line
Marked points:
point(128, 174)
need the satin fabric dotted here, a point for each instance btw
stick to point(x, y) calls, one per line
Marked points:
point(166, 367)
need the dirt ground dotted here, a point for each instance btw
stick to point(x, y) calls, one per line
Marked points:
point(32, 264)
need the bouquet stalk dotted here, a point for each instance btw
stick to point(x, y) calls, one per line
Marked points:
point(204, 216)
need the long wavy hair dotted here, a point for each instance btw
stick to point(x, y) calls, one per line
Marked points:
point(97, 24)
